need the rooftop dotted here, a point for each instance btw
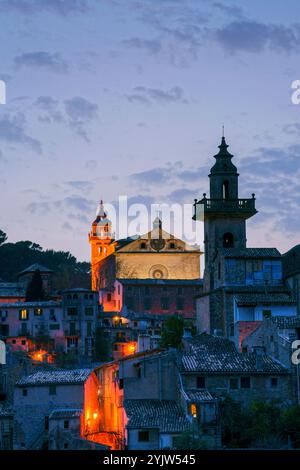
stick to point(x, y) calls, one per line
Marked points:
point(251, 253)
point(34, 267)
point(162, 282)
point(286, 322)
point(12, 289)
point(209, 354)
point(55, 377)
point(198, 395)
point(165, 415)
point(65, 413)
point(264, 299)
point(42, 303)
point(291, 261)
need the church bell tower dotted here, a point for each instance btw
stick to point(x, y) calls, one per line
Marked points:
point(224, 213)
point(100, 239)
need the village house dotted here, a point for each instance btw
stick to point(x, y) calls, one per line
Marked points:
point(213, 364)
point(41, 393)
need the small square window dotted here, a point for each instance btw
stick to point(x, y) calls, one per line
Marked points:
point(245, 382)
point(52, 390)
point(144, 436)
point(200, 382)
point(274, 382)
point(233, 383)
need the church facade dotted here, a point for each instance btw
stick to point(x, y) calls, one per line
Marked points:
point(155, 272)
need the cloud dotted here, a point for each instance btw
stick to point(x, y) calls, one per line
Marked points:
point(41, 60)
point(80, 112)
point(91, 164)
point(183, 195)
point(80, 185)
point(155, 176)
point(293, 128)
point(38, 208)
point(274, 175)
point(155, 95)
point(230, 10)
point(77, 202)
point(150, 45)
point(49, 108)
point(12, 131)
point(32, 7)
point(253, 36)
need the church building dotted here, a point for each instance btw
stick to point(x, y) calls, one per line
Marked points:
point(241, 285)
point(155, 272)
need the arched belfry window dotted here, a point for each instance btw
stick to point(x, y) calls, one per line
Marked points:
point(225, 190)
point(228, 240)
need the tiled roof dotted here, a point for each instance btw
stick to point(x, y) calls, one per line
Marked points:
point(165, 415)
point(162, 282)
point(291, 261)
point(215, 355)
point(44, 303)
point(55, 377)
point(5, 411)
point(265, 299)
point(286, 322)
point(12, 289)
point(251, 253)
point(199, 395)
point(35, 267)
point(66, 413)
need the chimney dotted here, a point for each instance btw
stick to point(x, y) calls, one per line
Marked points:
point(187, 332)
point(259, 352)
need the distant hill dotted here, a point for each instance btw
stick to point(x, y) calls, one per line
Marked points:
point(68, 272)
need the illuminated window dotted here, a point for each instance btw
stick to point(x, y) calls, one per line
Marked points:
point(38, 311)
point(193, 410)
point(24, 314)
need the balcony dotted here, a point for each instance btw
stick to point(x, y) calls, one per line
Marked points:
point(240, 207)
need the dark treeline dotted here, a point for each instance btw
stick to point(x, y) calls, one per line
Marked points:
point(68, 272)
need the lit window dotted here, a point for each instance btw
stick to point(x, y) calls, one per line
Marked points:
point(193, 410)
point(38, 311)
point(24, 314)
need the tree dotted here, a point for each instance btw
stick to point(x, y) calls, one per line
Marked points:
point(193, 440)
point(102, 346)
point(172, 332)
point(3, 237)
point(35, 289)
point(290, 425)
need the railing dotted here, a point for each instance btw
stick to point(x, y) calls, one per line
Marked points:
point(228, 204)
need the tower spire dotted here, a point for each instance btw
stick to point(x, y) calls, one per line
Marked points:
point(100, 211)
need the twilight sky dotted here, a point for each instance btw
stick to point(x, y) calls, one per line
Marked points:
point(128, 97)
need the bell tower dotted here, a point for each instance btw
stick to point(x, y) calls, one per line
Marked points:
point(224, 213)
point(101, 241)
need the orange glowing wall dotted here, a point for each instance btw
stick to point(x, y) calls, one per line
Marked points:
point(100, 249)
point(111, 412)
point(91, 409)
